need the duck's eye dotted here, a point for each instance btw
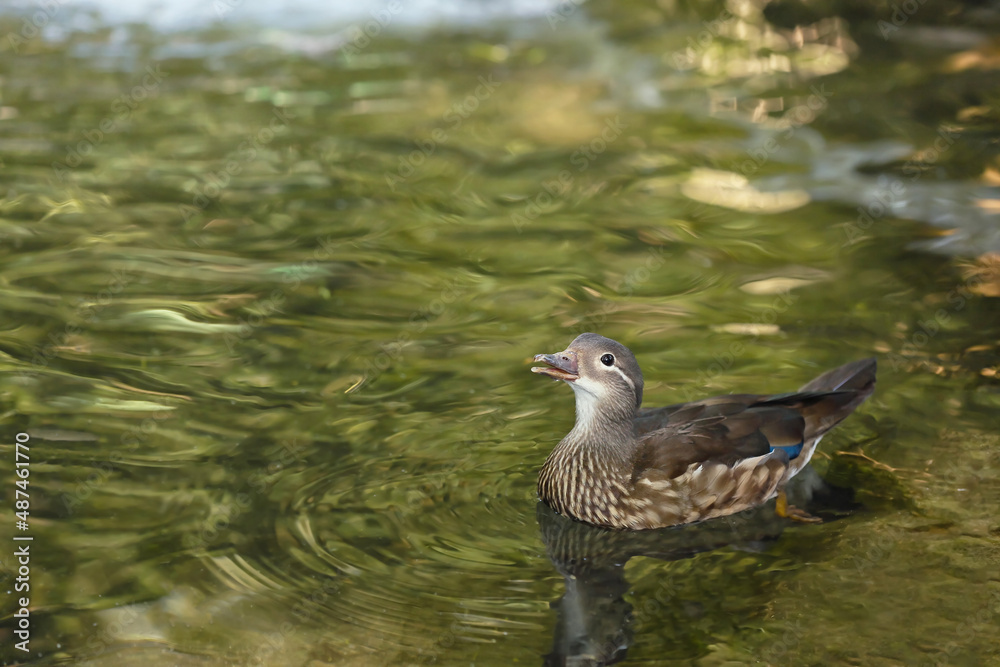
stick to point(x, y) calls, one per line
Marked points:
point(608, 360)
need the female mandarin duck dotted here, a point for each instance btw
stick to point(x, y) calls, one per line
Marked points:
point(622, 467)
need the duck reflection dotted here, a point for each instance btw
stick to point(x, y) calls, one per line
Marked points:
point(594, 624)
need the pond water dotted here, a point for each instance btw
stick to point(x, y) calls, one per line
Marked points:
point(272, 278)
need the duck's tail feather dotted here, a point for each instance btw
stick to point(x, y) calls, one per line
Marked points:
point(858, 376)
point(846, 388)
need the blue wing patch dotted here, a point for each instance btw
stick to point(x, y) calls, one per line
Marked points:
point(792, 450)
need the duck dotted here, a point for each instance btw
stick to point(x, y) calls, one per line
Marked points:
point(626, 467)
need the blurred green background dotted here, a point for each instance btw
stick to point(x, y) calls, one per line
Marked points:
point(271, 278)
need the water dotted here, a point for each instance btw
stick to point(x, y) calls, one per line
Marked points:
point(272, 282)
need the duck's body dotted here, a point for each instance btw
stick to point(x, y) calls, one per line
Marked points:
point(622, 467)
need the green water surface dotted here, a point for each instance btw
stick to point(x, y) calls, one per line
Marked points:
point(268, 301)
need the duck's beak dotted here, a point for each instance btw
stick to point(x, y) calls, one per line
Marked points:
point(561, 366)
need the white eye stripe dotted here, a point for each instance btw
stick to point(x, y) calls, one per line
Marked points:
point(622, 373)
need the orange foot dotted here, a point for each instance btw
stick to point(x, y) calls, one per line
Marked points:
point(786, 511)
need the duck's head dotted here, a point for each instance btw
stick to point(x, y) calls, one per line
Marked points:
point(602, 372)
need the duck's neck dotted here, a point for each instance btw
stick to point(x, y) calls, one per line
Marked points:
point(602, 443)
point(602, 451)
point(606, 416)
point(610, 435)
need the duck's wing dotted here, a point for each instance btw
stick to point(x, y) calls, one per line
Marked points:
point(731, 428)
point(710, 466)
point(726, 429)
point(726, 454)
point(784, 420)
